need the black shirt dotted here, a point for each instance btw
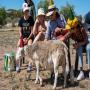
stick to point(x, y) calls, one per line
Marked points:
point(25, 24)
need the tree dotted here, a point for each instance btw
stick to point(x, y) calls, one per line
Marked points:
point(68, 11)
point(2, 16)
point(14, 15)
point(50, 2)
point(43, 4)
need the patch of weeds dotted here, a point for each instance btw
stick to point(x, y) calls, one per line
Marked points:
point(38, 89)
point(26, 86)
point(15, 87)
point(27, 77)
point(12, 78)
point(20, 79)
point(82, 85)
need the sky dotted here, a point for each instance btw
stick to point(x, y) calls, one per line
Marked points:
point(81, 6)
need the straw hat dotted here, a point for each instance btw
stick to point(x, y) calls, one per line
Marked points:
point(51, 9)
point(41, 12)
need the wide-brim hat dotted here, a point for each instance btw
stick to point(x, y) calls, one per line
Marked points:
point(51, 10)
point(41, 12)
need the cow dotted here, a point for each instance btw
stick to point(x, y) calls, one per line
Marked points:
point(44, 52)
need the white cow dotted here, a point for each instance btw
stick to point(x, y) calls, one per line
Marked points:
point(54, 51)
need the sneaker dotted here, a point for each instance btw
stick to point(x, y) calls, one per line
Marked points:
point(29, 68)
point(80, 76)
point(17, 69)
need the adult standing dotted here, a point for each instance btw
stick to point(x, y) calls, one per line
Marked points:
point(31, 8)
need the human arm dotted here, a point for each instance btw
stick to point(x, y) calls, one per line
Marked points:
point(48, 32)
point(35, 28)
point(82, 42)
point(60, 29)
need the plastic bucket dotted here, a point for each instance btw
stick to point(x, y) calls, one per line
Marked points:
point(9, 62)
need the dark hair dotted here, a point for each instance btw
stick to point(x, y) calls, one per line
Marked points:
point(57, 15)
point(31, 2)
point(25, 1)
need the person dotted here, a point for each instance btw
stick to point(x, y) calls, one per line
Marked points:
point(78, 34)
point(56, 28)
point(39, 28)
point(55, 24)
point(87, 28)
point(31, 8)
point(26, 24)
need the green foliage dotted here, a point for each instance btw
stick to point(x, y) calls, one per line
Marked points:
point(13, 15)
point(68, 11)
point(51, 2)
point(43, 4)
point(9, 15)
point(2, 16)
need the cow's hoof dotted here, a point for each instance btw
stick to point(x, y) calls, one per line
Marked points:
point(54, 88)
point(41, 85)
point(64, 86)
point(36, 82)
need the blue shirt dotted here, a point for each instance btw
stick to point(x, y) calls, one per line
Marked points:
point(52, 25)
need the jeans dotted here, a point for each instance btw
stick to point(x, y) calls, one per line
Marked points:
point(79, 52)
point(88, 54)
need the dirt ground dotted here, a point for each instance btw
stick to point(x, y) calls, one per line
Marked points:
point(24, 80)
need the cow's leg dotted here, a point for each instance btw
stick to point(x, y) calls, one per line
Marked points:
point(66, 68)
point(65, 77)
point(65, 72)
point(37, 73)
point(56, 74)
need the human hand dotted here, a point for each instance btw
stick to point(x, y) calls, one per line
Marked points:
point(25, 41)
point(57, 31)
point(76, 45)
point(62, 38)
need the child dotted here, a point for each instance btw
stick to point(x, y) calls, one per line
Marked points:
point(26, 37)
